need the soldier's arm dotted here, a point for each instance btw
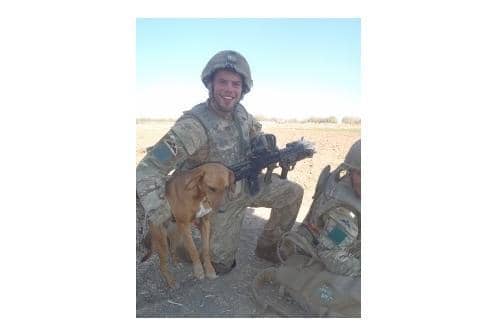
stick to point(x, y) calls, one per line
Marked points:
point(341, 261)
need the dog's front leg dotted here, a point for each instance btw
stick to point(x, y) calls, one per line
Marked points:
point(159, 244)
point(186, 233)
point(205, 230)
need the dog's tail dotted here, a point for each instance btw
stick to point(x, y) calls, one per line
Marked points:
point(147, 242)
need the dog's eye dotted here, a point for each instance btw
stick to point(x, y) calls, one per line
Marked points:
point(212, 189)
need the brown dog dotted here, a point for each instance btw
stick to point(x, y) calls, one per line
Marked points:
point(191, 194)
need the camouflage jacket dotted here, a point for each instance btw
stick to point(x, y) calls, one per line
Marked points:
point(200, 136)
point(334, 218)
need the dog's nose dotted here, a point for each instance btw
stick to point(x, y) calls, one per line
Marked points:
point(221, 210)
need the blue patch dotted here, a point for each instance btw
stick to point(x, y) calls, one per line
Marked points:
point(337, 235)
point(162, 153)
point(325, 294)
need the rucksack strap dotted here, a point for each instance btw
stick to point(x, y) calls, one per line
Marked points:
point(299, 241)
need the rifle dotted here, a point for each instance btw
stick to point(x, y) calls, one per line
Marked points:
point(265, 154)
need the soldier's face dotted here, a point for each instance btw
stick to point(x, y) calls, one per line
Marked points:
point(227, 90)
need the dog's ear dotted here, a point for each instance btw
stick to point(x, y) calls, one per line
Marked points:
point(196, 176)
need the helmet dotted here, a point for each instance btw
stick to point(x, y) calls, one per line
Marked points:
point(229, 60)
point(353, 158)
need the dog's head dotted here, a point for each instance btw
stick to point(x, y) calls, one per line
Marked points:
point(212, 180)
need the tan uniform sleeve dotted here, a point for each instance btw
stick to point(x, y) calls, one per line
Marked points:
point(180, 142)
point(190, 134)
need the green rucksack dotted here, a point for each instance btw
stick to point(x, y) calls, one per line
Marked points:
point(313, 281)
point(302, 287)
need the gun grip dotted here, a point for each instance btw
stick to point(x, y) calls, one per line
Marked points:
point(253, 185)
point(269, 171)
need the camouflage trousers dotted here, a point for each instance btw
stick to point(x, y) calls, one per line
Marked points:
point(282, 196)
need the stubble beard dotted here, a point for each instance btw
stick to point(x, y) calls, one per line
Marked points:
point(217, 107)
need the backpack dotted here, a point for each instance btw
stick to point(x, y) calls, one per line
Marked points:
point(303, 287)
point(316, 280)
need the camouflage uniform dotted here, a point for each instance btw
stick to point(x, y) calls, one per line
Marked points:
point(200, 136)
point(333, 221)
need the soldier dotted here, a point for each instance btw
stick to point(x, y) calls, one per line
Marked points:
point(218, 130)
point(333, 221)
point(321, 267)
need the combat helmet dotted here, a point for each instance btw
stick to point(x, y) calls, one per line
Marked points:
point(230, 60)
point(353, 158)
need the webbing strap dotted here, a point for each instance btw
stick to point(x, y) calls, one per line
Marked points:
point(299, 241)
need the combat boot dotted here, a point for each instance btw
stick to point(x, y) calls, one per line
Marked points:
point(268, 250)
point(222, 268)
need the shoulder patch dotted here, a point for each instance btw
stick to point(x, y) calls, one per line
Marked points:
point(163, 152)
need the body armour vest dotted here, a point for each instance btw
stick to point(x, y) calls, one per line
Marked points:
point(228, 141)
point(337, 211)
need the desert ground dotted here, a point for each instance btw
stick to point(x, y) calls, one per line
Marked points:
point(229, 295)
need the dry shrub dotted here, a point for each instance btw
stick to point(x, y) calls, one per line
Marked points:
point(262, 118)
point(351, 120)
point(330, 119)
point(145, 120)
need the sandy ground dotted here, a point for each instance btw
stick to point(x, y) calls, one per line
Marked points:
point(229, 295)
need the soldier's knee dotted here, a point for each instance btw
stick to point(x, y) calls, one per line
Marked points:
point(297, 192)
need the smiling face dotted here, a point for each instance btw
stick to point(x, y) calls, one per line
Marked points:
point(226, 90)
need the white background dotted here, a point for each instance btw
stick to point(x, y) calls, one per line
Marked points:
point(68, 162)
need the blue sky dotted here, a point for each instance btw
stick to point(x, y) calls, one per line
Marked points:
point(300, 67)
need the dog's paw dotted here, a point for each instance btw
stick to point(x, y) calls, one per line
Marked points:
point(198, 271)
point(210, 273)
